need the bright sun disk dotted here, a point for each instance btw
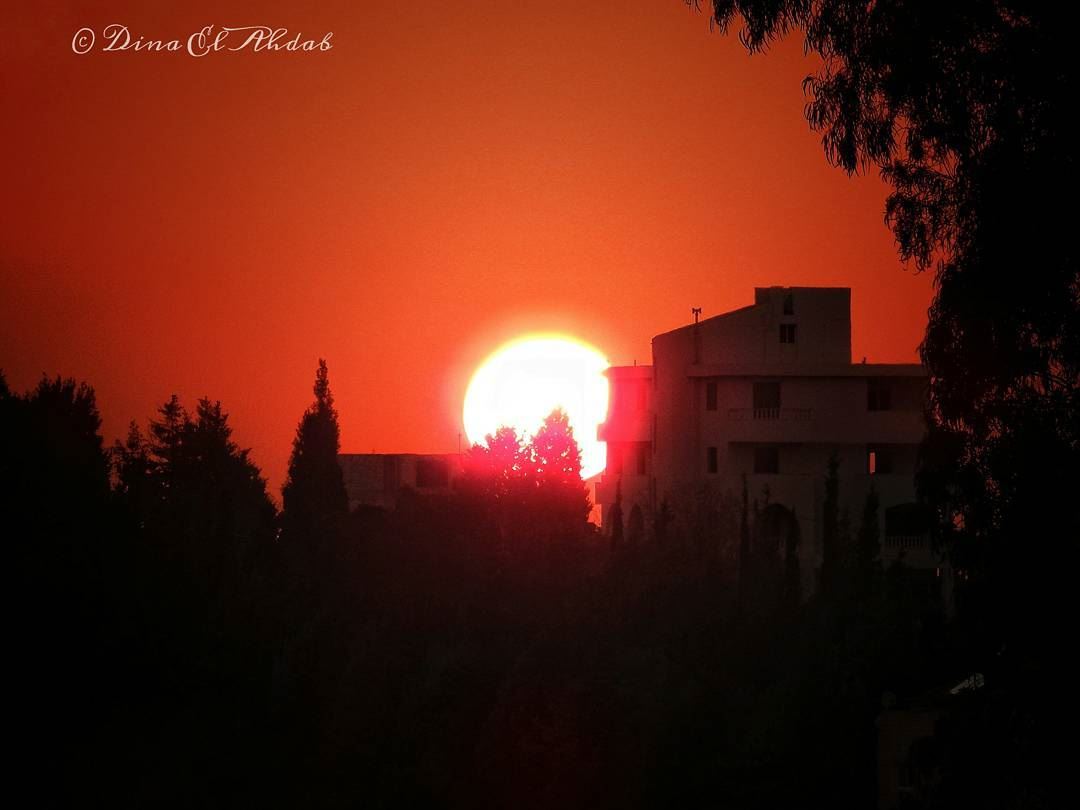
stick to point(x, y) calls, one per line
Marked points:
point(526, 379)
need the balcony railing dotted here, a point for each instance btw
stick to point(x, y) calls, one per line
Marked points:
point(776, 414)
point(906, 541)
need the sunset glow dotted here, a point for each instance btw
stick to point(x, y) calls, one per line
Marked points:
point(523, 381)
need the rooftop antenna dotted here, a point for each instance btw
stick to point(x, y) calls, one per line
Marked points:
point(697, 337)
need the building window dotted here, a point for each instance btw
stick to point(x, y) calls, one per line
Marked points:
point(789, 304)
point(878, 395)
point(908, 520)
point(614, 462)
point(710, 396)
point(766, 400)
point(787, 333)
point(641, 459)
point(432, 473)
point(391, 475)
point(766, 460)
point(878, 460)
point(712, 464)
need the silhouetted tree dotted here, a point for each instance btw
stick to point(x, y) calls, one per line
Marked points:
point(54, 475)
point(55, 470)
point(831, 548)
point(662, 521)
point(743, 561)
point(197, 495)
point(314, 501)
point(867, 568)
point(615, 519)
point(792, 573)
point(63, 554)
point(635, 527)
point(494, 480)
point(555, 467)
point(532, 490)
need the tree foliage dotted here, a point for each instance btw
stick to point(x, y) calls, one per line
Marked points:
point(54, 470)
point(191, 488)
point(531, 486)
point(314, 500)
point(831, 533)
point(440, 661)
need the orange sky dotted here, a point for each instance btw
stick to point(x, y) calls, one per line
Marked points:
point(441, 180)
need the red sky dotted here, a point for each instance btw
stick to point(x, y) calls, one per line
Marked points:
point(442, 180)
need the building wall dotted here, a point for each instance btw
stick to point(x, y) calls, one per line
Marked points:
point(824, 408)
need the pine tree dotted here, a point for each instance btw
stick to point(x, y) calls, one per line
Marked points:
point(493, 479)
point(196, 494)
point(743, 563)
point(313, 498)
point(615, 518)
point(555, 469)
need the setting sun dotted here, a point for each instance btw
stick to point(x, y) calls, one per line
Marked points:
point(524, 380)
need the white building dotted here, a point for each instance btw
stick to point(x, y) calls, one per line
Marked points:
point(769, 391)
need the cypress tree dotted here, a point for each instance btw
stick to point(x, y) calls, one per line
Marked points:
point(868, 546)
point(830, 526)
point(615, 518)
point(743, 563)
point(313, 498)
point(792, 573)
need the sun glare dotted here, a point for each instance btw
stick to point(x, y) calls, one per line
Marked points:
point(524, 380)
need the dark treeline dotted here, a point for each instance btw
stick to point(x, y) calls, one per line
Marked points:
point(180, 642)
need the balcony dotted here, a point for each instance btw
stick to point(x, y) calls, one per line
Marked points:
point(840, 425)
point(906, 542)
point(915, 550)
point(781, 414)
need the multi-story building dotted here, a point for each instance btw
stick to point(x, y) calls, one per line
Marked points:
point(768, 392)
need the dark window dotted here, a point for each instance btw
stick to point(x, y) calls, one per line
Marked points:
point(766, 460)
point(641, 459)
point(907, 519)
point(391, 479)
point(878, 395)
point(879, 461)
point(787, 333)
point(432, 473)
point(711, 462)
point(710, 396)
point(766, 400)
point(614, 452)
point(789, 304)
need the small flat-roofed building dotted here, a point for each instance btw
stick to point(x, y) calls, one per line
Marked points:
point(377, 479)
